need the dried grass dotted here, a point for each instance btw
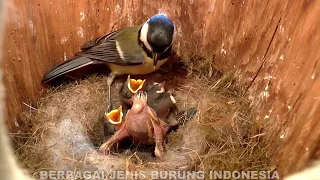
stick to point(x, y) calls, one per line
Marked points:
point(63, 130)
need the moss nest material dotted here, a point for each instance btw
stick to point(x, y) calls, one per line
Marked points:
point(63, 130)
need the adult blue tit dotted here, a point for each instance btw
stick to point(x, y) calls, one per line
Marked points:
point(134, 50)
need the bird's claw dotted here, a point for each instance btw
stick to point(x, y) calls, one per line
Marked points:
point(104, 149)
point(159, 153)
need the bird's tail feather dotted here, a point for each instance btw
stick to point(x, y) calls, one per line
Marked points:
point(65, 67)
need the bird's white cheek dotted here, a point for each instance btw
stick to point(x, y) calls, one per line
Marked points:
point(143, 35)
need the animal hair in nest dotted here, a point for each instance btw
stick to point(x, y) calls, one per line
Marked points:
point(65, 128)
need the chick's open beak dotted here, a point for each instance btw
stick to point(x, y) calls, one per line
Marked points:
point(135, 85)
point(115, 116)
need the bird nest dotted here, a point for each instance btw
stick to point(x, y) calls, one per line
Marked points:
point(64, 129)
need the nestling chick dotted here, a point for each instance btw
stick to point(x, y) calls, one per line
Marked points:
point(115, 117)
point(141, 124)
point(128, 89)
point(160, 100)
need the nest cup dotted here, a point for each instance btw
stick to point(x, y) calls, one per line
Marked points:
point(64, 129)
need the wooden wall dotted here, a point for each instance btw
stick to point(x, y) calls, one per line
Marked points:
point(272, 46)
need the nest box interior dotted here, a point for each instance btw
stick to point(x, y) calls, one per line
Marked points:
point(249, 68)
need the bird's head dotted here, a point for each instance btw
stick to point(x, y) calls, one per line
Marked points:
point(129, 88)
point(158, 87)
point(135, 85)
point(139, 101)
point(157, 34)
point(115, 116)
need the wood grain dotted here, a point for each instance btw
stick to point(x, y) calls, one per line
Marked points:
point(271, 46)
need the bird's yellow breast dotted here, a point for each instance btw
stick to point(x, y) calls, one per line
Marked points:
point(144, 68)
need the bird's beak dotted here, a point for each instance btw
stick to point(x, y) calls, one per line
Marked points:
point(115, 116)
point(141, 96)
point(135, 85)
point(139, 102)
point(162, 89)
point(173, 100)
point(155, 59)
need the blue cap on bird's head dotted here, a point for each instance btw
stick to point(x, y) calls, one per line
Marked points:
point(157, 35)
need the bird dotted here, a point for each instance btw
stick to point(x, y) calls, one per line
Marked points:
point(128, 89)
point(115, 117)
point(160, 100)
point(141, 124)
point(135, 50)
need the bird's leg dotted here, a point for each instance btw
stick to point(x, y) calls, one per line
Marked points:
point(172, 120)
point(110, 79)
point(158, 134)
point(158, 138)
point(118, 136)
point(166, 126)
